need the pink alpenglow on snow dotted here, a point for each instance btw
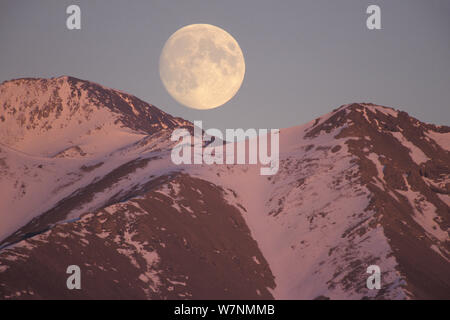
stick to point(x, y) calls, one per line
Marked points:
point(149, 211)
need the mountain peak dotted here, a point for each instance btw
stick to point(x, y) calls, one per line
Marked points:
point(34, 111)
point(359, 117)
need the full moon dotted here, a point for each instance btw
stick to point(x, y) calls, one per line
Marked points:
point(202, 66)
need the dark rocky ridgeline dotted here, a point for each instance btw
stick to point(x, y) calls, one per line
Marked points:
point(178, 240)
point(68, 93)
point(134, 113)
point(415, 172)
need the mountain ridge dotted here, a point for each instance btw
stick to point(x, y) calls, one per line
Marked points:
point(74, 108)
point(361, 185)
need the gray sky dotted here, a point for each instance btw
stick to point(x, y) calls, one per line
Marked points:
point(303, 58)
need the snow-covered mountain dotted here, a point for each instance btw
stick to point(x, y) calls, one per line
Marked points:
point(86, 178)
point(55, 132)
point(49, 117)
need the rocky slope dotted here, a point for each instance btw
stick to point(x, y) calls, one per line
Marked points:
point(60, 135)
point(359, 186)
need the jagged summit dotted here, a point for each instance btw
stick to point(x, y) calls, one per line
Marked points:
point(362, 116)
point(45, 116)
